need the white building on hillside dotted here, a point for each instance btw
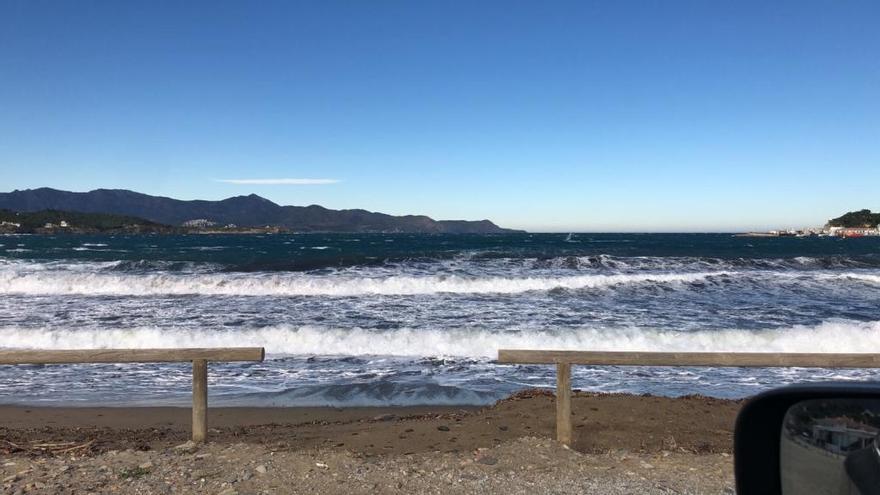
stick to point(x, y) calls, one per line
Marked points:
point(199, 223)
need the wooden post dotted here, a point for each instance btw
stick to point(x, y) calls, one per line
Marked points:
point(198, 356)
point(563, 403)
point(200, 400)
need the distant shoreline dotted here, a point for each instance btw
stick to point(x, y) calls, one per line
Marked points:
point(249, 231)
point(120, 208)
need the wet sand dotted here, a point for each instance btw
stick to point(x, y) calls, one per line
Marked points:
point(602, 423)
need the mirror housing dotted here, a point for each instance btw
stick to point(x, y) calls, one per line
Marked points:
point(759, 427)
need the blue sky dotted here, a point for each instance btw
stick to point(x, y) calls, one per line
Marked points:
point(549, 116)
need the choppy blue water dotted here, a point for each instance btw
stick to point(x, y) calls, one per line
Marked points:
point(371, 319)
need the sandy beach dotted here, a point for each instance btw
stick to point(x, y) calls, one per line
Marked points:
point(622, 444)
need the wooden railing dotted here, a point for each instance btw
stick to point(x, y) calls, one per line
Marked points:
point(198, 357)
point(565, 359)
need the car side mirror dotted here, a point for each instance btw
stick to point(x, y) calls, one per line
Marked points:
point(810, 439)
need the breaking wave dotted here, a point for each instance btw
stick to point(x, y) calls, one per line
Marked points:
point(679, 263)
point(85, 283)
point(285, 340)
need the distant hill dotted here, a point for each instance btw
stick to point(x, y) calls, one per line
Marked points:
point(249, 210)
point(75, 222)
point(855, 219)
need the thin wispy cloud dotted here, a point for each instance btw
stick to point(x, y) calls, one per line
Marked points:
point(295, 182)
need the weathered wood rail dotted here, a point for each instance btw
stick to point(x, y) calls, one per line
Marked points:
point(198, 357)
point(565, 359)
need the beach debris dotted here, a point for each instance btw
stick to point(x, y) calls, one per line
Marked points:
point(443, 428)
point(133, 473)
point(530, 393)
point(321, 465)
point(188, 447)
point(261, 469)
point(385, 417)
point(42, 448)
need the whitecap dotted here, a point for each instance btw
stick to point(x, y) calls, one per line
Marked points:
point(296, 284)
point(834, 336)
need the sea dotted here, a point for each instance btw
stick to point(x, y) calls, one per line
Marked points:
point(402, 319)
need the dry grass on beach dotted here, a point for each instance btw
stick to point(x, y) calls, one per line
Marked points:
point(623, 444)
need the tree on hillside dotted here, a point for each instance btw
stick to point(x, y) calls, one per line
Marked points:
point(861, 218)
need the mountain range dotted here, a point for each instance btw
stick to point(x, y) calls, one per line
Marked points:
point(250, 211)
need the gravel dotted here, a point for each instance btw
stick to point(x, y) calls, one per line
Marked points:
point(523, 466)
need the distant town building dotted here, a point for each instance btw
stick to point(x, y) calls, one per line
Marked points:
point(854, 231)
point(842, 435)
point(64, 224)
point(199, 223)
point(9, 224)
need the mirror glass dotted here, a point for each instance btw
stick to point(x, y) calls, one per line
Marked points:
point(831, 446)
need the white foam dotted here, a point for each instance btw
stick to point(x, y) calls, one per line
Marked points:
point(297, 284)
point(863, 277)
point(206, 248)
point(830, 336)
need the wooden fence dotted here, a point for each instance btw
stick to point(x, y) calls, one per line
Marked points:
point(198, 357)
point(565, 359)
